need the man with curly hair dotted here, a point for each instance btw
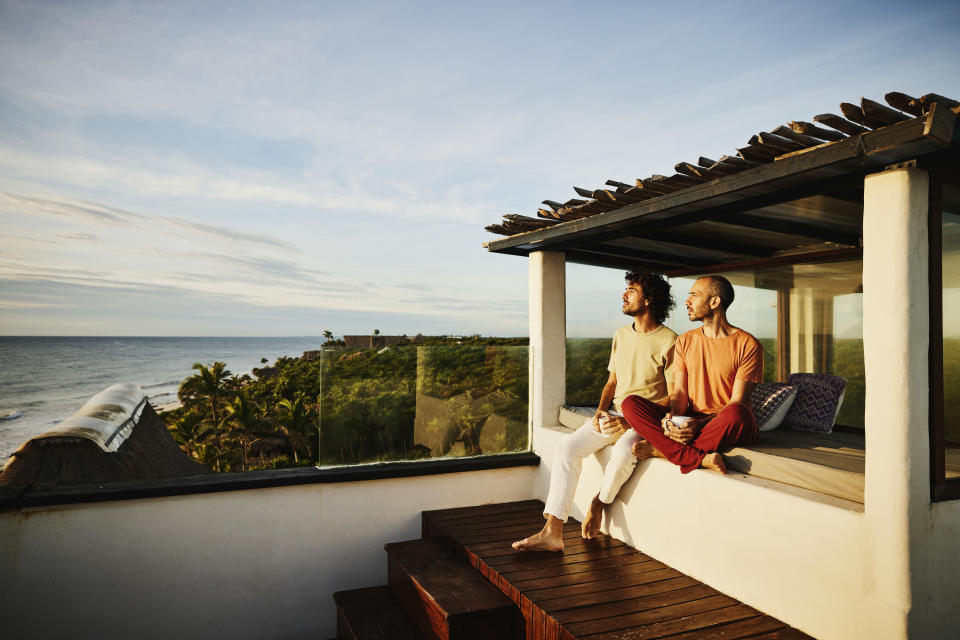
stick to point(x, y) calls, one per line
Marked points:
point(640, 364)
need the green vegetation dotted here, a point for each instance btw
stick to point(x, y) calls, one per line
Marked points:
point(440, 396)
point(951, 389)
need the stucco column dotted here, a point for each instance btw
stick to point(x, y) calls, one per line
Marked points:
point(895, 341)
point(548, 336)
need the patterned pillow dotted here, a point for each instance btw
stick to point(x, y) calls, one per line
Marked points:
point(771, 401)
point(819, 397)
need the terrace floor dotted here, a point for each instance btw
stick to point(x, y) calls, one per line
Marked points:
point(597, 589)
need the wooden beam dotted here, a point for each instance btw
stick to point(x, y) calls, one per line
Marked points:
point(801, 139)
point(688, 169)
point(881, 113)
point(579, 256)
point(840, 124)
point(539, 222)
point(639, 194)
point(806, 128)
point(721, 169)
point(708, 242)
point(774, 149)
point(855, 114)
point(794, 227)
point(779, 142)
point(584, 192)
point(904, 102)
point(756, 153)
point(656, 186)
point(831, 255)
point(682, 181)
point(931, 98)
point(739, 162)
point(638, 254)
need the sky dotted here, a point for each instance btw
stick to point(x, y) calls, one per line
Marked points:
point(286, 168)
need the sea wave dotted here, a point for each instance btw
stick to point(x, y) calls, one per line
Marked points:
point(168, 383)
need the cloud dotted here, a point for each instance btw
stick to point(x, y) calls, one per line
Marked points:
point(95, 213)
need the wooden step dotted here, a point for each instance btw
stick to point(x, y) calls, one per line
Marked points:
point(444, 596)
point(599, 589)
point(372, 614)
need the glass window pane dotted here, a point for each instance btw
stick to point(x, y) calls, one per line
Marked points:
point(411, 402)
point(951, 311)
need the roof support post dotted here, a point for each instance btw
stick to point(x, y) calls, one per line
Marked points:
point(548, 337)
point(895, 341)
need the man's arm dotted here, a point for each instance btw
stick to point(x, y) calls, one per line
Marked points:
point(742, 390)
point(606, 397)
point(679, 400)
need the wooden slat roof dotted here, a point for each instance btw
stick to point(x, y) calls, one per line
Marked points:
point(787, 190)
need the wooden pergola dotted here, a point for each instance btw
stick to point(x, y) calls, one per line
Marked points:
point(793, 194)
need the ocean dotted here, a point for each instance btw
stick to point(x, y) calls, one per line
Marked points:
point(48, 378)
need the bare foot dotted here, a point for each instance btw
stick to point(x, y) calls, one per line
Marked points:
point(643, 450)
point(714, 462)
point(591, 524)
point(540, 541)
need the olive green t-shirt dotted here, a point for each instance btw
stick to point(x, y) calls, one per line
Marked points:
point(643, 364)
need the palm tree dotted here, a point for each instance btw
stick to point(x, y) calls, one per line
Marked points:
point(192, 433)
point(241, 415)
point(209, 384)
point(295, 423)
point(328, 335)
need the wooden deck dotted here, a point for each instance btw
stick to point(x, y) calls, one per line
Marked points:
point(597, 589)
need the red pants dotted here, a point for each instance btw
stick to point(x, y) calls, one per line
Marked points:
point(734, 424)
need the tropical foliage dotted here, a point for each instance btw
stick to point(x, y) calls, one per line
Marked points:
point(345, 406)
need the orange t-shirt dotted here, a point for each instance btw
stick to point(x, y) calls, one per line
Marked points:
point(713, 364)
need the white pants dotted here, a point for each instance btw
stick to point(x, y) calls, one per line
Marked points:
point(568, 459)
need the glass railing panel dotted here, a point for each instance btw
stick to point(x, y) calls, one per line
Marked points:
point(587, 360)
point(341, 406)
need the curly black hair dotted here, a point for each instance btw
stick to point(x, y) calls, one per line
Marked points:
point(656, 290)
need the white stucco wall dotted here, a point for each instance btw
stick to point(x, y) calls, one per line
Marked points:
point(896, 335)
point(548, 334)
point(243, 564)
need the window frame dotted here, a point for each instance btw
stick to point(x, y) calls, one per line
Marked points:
point(941, 487)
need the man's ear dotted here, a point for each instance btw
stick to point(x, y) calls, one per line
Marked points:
point(715, 302)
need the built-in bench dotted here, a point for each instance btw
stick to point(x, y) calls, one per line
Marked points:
point(832, 464)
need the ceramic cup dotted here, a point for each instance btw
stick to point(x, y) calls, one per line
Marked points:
point(678, 421)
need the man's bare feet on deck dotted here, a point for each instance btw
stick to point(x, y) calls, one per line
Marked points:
point(591, 524)
point(550, 538)
point(714, 462)
point(643, 450)
point(539, 541)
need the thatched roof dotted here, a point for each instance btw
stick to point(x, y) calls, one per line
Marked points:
point(115, 436)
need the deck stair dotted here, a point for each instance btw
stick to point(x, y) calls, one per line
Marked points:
point(599, 589)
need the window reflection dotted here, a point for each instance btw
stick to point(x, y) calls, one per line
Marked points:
point(951, 311)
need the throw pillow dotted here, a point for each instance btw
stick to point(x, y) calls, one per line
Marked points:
point(771, 401)
point(819, 397)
